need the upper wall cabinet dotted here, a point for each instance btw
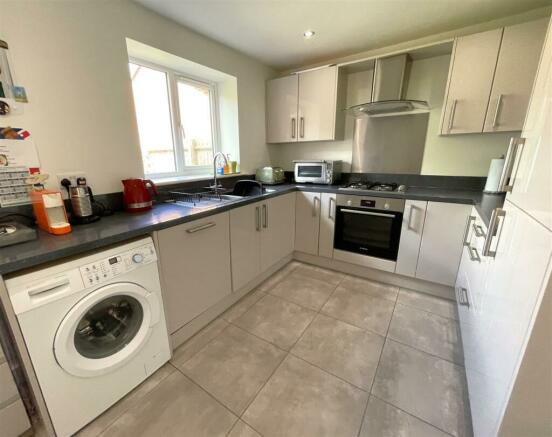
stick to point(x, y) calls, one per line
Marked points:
point(490, 79)
point(515, 72)
point(303, 107)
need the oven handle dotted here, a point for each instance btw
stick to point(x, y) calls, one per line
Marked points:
point(377, 214)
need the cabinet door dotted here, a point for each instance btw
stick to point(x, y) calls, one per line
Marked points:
point(278, 229)
point(441, 246)
point(411, 237)
point(281, 109)
point(515, 73)
point(245, 240)
point(317, 104)
point(307, 222)
point(195, 264)
point(327, 225)
point(532, 178)
point(469, 85)
point(513, 290)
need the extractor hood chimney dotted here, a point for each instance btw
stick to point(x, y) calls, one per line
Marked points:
point(388, 88)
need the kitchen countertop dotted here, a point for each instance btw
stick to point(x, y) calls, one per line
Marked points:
point(124, 226)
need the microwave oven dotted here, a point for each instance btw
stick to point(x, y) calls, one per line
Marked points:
point(317, 171)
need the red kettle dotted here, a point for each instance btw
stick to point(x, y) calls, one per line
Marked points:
point(136, 194)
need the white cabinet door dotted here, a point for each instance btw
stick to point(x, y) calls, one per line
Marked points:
point(510, 298)
point(317, 104)
point(441, 246)
point(278, 229)
point(307, 222)
point(532, 178)
point(195, 266)
point(281, 109)
point(327, 225)
point(470, 79)
point(411, 237)
point(245, 240)
point(515, 73)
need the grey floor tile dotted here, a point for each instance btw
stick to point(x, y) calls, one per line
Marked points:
point(278, 276)
point(192, 346)
point(379, 289)
point(303, 290)
point(425, 386)
point(341, 349)
point(385, 420)
point(176, 407)
point(242, 305)
point(242, 429)
point(302, 400)
point(276, 320)
point(326, 275)
point(361, 309)
point(95, 427)
point(428, 332)
point(433, 304)
point(233, 367)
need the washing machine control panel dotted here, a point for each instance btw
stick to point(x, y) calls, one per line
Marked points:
point(105, 269)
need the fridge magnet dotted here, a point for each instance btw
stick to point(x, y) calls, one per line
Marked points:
point(20, 95)
point(10, 107)
point(2, 94)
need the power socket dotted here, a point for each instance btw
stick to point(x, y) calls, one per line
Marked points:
point(72, 176)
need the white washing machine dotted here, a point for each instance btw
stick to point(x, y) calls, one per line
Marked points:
point(94, 328)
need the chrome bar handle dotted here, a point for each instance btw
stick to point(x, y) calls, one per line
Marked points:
point(314, 209)
point(474, 255)
point(302, 127)
point(497, 110)
point(506, 182)
point(409, 224)
point(491, 232)
point(478, 229)
point(465, 241)
point(201, 228)
point(293, 127)
point(265, 216)
point(452, 114)
point(330, 209)
point(257, 219)
point(462, 296)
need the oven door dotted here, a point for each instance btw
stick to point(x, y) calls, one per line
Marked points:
point(314, 172)
point(368, 232)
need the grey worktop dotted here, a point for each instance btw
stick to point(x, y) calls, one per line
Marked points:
point(124, 226)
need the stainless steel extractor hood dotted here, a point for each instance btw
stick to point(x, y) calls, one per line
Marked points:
point(388, 88)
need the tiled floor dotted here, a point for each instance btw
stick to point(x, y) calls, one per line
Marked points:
point(309, 353)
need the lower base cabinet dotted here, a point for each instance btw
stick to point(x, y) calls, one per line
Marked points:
point(261, 234)
point(327, 225)
point(411, 237)
point(307, 222)
point(195, 267)
point(441, 245)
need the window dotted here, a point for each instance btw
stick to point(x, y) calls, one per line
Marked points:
point(177, 121)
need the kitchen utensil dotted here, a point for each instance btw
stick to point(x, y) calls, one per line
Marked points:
point(493, 178)
point(136, 194)
point(270, 175)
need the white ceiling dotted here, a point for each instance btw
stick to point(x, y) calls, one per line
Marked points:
point(272, 30)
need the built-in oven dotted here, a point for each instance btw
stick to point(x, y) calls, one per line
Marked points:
point(368, 225)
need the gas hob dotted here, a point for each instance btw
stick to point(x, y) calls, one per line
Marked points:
point(374, 186)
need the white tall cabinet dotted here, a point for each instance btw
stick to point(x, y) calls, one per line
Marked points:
point(500, 294)
point(532, 177)
point(304, 107)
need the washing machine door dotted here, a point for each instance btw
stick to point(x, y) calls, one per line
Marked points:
point(106, 329)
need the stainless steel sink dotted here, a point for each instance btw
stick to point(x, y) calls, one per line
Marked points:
point(201, 200)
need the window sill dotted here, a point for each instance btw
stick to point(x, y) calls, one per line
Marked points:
point(194, 178)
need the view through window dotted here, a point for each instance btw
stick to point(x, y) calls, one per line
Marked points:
point(177, 121)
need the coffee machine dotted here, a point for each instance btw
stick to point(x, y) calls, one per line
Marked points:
point(82, 201)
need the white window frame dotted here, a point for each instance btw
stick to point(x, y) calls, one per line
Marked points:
point(173, 78)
